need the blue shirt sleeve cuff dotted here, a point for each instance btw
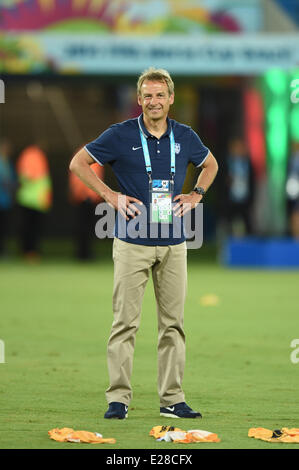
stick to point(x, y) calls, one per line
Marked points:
point(203, 159)
point(92, 156)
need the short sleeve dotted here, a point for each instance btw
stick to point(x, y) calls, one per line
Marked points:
point(198, 151)
point(104, 148)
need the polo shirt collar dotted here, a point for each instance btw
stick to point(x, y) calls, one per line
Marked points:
point(144, 130)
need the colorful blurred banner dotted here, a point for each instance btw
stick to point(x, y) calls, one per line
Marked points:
point(92, 53)
point(126, 36)
point(131, 16)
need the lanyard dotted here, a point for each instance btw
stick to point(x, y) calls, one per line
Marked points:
point(147, 159)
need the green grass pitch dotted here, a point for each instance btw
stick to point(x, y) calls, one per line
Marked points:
point(55, 320)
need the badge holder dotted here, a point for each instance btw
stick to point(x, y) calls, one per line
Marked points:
point(160, 191)
point(161, 194)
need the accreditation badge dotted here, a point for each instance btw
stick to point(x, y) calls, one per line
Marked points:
point(161, 192)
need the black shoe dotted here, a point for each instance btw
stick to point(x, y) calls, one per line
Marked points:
point(116, 410)
point(180, 410)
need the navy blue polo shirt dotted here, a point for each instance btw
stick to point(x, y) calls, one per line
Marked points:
point(120, 146)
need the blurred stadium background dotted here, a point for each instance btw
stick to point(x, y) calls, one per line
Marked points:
point(68, 71)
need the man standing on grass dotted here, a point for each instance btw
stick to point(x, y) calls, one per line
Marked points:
point(149, 156)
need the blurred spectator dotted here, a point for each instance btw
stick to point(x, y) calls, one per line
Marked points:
point(240, 186)
point(7, 189)
point(34, 197)
point(292, 189)
point(84, 200)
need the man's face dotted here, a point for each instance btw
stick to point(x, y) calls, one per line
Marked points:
point(155, 99)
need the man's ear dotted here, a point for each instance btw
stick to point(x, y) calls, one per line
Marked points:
point(139, 100)
point(171, 98)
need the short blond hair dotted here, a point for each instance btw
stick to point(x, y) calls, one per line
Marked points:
point(160, 75)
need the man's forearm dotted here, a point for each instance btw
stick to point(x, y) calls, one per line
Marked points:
point(89, 178)
point(207, 174)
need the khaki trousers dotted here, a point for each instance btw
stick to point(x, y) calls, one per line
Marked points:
point(132, 266)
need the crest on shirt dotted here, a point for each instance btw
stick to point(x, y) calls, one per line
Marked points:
point(177, 147)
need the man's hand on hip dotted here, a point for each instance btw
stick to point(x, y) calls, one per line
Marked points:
point(124, 204)
point(186, 202)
